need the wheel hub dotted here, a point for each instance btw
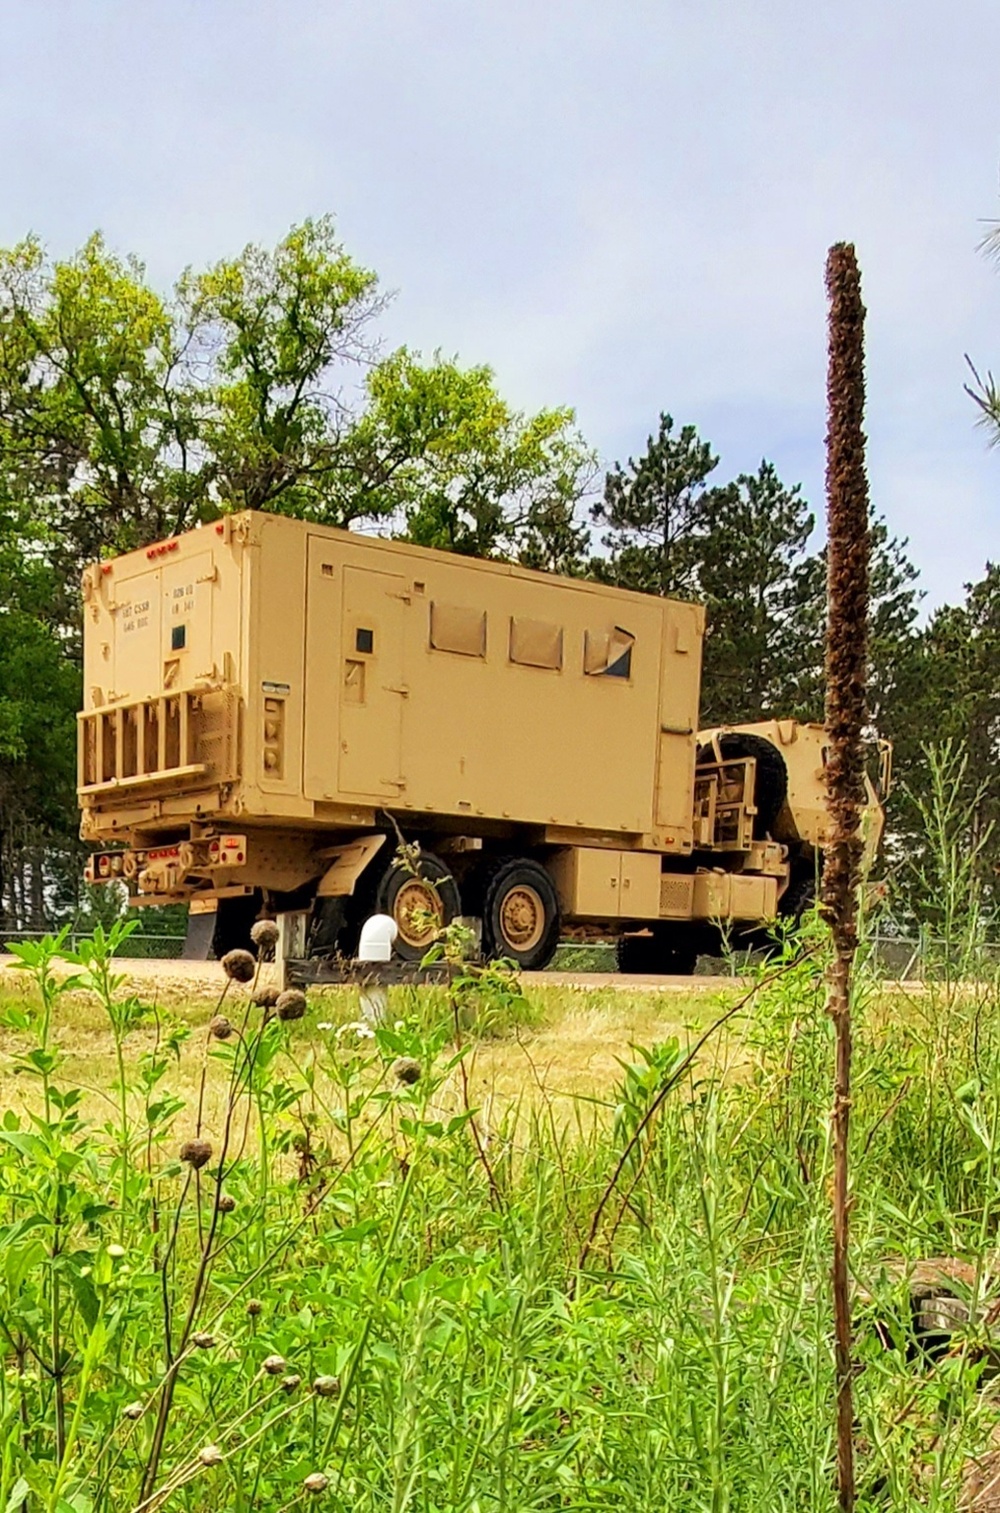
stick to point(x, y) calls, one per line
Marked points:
point(522, 917)
point(418, 912)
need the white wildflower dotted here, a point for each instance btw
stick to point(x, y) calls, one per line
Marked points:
point(357, 1028)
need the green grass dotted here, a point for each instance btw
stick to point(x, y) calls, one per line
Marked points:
point(533, 1295)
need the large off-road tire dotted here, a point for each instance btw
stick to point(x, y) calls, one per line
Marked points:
point(798, 898)
point(330, 927)
point(638, 954)
point(668, 953)
point(234, 919)
point(771, 782)
point(520, 914)
point(422, 898)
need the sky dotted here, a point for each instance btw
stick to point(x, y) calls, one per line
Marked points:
point(619, 205)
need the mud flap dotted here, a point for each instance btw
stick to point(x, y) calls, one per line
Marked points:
point(198, 940)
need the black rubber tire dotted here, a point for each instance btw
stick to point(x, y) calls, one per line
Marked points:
point(503, 880)
point(662, 953)
point(771, 783)
point(399, 882)
point(328, 926)
point(234, 919)
point(638, 954)
point(798, 898)
point(681, 960)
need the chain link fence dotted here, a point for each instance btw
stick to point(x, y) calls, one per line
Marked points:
point(896, 958)
point(138, 947)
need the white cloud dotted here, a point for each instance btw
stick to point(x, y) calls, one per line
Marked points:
point(624, 207)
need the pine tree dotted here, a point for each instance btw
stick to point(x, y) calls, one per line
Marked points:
point(653, 512)
point(754, 542)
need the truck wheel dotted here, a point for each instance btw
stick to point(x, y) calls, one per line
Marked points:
point(672, 954)
point(638, 954)
point(799, 897)
point(521, 914)
point(422, 899)
point(234, 920)
point(771, 784)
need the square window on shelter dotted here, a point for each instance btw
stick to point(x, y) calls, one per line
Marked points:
point(608, 654)
point(364, 640)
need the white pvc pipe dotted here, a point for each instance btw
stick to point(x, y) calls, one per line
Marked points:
point(377, 936)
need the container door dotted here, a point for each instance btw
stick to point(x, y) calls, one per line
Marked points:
point(681, 676)
point(136, 668)
point(372, 691)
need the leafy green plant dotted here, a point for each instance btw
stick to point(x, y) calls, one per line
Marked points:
point(373, 1283)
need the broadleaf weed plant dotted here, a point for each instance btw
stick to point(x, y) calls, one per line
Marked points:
point(333, 1278)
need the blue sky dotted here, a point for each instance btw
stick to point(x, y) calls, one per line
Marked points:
point(620, 205)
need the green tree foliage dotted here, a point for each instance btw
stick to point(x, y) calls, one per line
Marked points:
point(758, 586)
point(39, 694)
point(745, 549)
point(984, 391)
point(439, 449)
point(654, 512)
point(955, 698)
point(128, 415)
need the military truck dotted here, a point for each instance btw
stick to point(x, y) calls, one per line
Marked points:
point(289, 720)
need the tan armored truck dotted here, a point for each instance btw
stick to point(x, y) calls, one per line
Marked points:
point(271, 707)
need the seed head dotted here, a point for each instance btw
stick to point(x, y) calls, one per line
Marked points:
point(290, 1382)
point(220, 1028)
point(406, 1070)
point(265, 934)
point(291, 1004)
point(254, 1308)
point(274, 1365)
point(196, 1153)
point(326, 1386)
point(266, 998)
point(210, 1455)
point(316, 1483)
point(133, 1410)
point(203, 1340)
point(239, 965)
point(226, 1203)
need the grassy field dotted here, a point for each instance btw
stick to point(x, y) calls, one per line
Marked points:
point(562, 1043)
point(471, 1261)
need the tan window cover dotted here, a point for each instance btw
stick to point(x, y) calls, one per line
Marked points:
point(603, 648)
point(534, 643)
point(454, 628)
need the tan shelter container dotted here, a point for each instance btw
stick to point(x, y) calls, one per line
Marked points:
point(271, 707)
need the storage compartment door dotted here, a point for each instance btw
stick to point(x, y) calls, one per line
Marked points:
point(372, 690)
point(639, 893)
point(678, 718)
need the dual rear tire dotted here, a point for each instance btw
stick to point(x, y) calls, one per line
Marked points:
point(515, 896)
point(520, 911)
point(663, 952)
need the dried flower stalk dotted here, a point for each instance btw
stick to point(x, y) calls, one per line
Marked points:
point(846, 668)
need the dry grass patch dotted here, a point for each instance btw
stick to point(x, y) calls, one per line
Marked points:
point(567, 1046)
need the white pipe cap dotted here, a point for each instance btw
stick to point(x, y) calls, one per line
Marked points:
point(377, 936)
